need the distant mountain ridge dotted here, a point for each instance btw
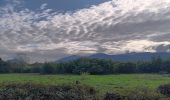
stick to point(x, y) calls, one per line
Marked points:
point(143, 56)
point(69, 58)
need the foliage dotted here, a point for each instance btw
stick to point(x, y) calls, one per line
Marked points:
point(47, 68)
point(143, 93)
point(112, 96)
point(104, 83)
point(89, 65)
point(30, 91)
point(164, 89)
point(124, 85)
point(103, 66)
point(139, 93)
point(4, 67)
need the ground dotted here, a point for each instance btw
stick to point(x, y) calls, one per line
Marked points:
point(101, 82)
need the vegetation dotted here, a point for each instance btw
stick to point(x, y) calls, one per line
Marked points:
point(88, 79)
point(29, 91)
point(41, 92)
point(87, 65)
point(137, 94)
point(102, 83)
point(104, 87)
point(4, 66)
point(164, 89)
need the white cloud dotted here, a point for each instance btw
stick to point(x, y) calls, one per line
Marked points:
point(43, 6)
point(115, 27)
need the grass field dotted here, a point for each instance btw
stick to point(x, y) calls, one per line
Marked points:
point(100, 82)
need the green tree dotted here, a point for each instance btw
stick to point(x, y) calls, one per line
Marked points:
point(4, 67)
point(47, 68)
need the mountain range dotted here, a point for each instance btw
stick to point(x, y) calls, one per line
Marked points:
point(143, 56)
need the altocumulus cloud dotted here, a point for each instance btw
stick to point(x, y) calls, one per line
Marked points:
point(111, 27)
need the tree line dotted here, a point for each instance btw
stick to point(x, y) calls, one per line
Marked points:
point(88, 65)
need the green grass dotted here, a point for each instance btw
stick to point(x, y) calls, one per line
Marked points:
point(101, 82)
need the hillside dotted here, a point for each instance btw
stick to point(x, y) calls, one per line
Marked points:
point(144, 56)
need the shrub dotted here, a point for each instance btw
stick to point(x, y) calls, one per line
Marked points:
point(112, 96)
point(143, 93)
point(164, 89)
point(41, 92)
point(135, 94)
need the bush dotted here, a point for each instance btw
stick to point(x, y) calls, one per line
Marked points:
point(30, 91)
point(143, 93)
point(164, 89)
point(112, 96)
point(135, 94)
point(42, 92)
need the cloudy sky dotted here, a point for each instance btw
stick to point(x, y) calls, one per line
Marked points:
point(51, 29)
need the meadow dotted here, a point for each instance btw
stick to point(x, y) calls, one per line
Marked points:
point(102, 83)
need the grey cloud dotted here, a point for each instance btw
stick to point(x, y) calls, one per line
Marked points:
point(111, 27)
point(163, 48)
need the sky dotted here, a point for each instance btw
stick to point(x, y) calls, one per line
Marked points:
point(47, 30)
